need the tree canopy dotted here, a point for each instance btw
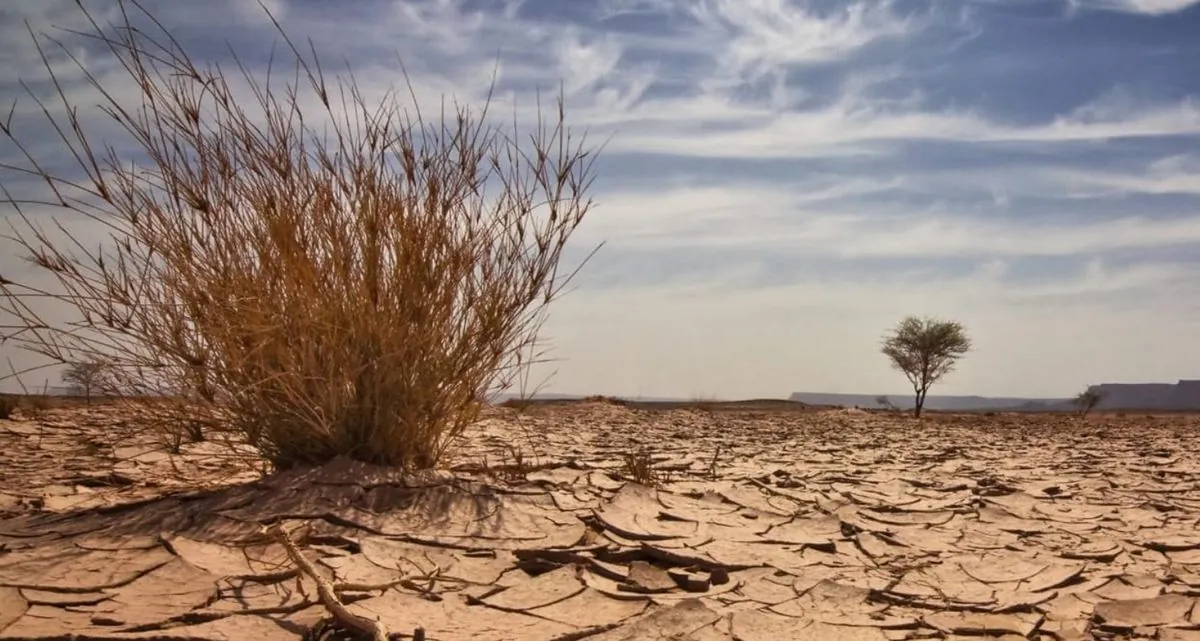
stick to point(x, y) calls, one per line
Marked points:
point(925, 349)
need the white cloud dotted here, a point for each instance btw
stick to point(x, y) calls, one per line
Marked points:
point(1173, 174)
point(855, 125)
point(584, 64)
point(961, 236)
point(761, 36)
point(1146, 7)
point(767, 80)
point(812, 218)
point(730, 43)
point(251, 11)
point(1176, 174)
point(677, 208)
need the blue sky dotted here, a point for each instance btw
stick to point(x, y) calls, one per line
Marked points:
point(784, 180)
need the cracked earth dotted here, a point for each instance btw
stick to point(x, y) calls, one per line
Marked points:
point(766, 524)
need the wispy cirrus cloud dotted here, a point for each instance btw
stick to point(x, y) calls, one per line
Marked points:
point(1145, 7)
point(820, 221)
point(788, 177)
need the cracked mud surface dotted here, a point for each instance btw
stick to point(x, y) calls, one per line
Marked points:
point(768, 525)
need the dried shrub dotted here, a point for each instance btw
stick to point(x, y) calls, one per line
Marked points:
point(609, 400)
point(297, 268)
point(38, 402)
point(87, 378)
point(1086, 401)
point(518, 404)
point(512, 467)
point(886, 403)
point(705, 402)
point(638, 466)
point(8, 405)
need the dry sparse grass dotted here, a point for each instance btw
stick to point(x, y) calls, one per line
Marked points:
point(638, 466)
point(600, 398)
point(518, 404)
point(36, 404)
point(8, 405)
point(705, 402)
point(305, 271)
point(513, 466)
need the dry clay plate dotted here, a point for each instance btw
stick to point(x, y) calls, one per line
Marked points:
point(609, 522)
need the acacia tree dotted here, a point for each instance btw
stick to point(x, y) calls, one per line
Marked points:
point(925, 349)
point(86, 377)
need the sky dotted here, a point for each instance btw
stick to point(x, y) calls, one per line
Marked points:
point(782, 181)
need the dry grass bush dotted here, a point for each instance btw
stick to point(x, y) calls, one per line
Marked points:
point(311, 273)
point(518, 404)
point(8, 405)
point(512, 467)
point(705, 402)
point(38, 402)
point(600, 398)
point(638, 466)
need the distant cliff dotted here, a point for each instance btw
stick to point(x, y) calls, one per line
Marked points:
point(1181, 396)
point(953, 403)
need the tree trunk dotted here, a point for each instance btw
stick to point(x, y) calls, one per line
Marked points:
point(920, 402)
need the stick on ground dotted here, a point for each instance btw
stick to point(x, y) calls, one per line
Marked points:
point(326, 591)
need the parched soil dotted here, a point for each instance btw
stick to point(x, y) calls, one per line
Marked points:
point(753, 523)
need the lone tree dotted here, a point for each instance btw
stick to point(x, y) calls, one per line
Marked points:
point(1087, 401)
point(925, 349)
point(86, 377)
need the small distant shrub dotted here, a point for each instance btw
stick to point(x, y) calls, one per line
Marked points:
point(1087, 401)
point(705, 402)
point(314, 274)
point(519, 404)
point(88, 377)
point(38, 402)
point(8, 405)
point(600, 398)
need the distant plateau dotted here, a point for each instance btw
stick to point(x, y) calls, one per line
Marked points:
point(1182, 396)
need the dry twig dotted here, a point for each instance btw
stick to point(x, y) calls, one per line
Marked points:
point(326, 591)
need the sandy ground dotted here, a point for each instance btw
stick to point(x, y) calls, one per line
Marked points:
point(766, 524)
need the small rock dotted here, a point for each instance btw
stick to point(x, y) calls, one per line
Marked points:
point(648, 579)
point(690, 581)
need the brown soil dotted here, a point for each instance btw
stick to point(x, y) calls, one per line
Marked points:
point(767, 524)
